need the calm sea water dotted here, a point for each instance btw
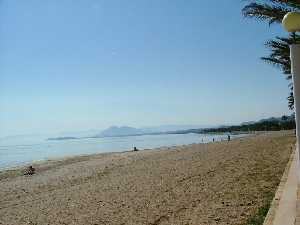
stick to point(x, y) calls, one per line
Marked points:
point(20, 151)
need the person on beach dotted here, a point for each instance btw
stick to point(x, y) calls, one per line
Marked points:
point(228, 138)
point(30, 171)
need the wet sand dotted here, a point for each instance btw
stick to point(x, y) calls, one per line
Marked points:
point(215, 183)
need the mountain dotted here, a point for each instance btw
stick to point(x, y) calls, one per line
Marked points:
point(268, 124)
point(61, 138)
point(279, 119)
point(247, 123)
point(272, 123)
point(122, 131)
point(115, 131)
point(271, 119)
point(168, 128)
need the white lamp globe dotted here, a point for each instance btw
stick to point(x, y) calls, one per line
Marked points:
point(291, 22)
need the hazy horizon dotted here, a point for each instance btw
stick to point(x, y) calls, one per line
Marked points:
point(158, 128)
point(91, 64)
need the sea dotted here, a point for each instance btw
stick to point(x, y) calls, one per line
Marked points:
point(18, 151)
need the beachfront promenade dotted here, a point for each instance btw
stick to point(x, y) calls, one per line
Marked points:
point(285, 208)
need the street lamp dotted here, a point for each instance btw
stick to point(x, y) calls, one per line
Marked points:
point(291, 23)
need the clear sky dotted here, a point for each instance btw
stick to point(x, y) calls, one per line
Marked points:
point(89, 64)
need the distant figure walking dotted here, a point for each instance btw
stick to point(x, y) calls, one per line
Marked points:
point(228, 138)
point(213, 140)
point(30, 171)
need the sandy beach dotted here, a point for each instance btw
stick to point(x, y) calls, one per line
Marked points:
point(215, 183)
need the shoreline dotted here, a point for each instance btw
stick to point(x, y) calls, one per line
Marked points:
point(58, 159)
point(56, 162)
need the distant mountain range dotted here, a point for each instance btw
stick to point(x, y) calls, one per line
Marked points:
point(122, 131)
point(269, 124)
point(168, 128)
point(61, 138)
point(271, 119)
point(114, 131)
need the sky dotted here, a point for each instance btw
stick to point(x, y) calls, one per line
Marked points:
point(69, 65)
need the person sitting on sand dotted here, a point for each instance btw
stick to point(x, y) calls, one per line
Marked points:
point(30, 171)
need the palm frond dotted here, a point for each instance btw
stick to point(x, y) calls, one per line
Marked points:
point(280, 53)
point(273, 11)
point(293, 4)
point(270, 12)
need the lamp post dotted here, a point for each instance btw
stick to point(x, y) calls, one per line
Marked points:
point(291, 23)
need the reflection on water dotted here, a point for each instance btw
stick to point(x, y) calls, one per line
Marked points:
point(14, 152)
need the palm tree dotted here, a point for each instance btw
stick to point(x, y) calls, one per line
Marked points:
point(273, 11)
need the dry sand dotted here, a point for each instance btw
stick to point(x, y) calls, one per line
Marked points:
point(215, 183)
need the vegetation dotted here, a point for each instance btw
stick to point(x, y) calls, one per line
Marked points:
point(259, 217)
point(272, 124)
point(272, 12)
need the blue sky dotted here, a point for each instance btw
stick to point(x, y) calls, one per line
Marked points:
point(89, 64)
